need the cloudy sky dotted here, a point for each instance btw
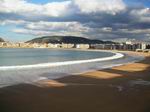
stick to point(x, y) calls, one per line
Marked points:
point(21, 20)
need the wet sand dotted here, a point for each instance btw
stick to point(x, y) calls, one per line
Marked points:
point(119, 89)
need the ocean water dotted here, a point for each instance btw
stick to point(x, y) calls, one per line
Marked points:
point(11, 57)
point(31, 65)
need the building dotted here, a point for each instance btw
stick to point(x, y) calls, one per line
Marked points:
point(127, 46)
point(51, 45)
point(143, 46)
point(82, 46)
point(63, 45)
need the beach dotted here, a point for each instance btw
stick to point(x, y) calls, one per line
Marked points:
point(123, 88)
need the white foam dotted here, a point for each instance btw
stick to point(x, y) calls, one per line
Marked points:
point(56, 64)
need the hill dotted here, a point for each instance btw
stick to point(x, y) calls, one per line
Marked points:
point(66, 39)
point(1, 40)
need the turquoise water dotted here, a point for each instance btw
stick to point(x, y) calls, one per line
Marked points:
point(12, 57)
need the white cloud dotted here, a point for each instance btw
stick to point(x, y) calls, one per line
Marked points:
point(135, 31)
point(142, 15)
point(56, 8)
point(53, 28)
point(22, 7)
point(106, 29)
point(59, 9)
point(43, 33)
point(57, 26)
point(105, 6)
point(140, 12)
point(106, 19)
point(16, 22)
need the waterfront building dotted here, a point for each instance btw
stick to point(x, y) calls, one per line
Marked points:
point(82, 46)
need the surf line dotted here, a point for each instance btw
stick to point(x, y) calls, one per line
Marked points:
point(55, 64)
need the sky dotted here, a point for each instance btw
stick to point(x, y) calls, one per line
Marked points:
point(117, 20)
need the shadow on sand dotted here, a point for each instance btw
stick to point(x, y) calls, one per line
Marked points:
point(83, 94)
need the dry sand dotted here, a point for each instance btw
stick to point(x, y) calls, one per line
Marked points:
point(119, 89)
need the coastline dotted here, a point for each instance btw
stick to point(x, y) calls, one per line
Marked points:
point(123, 88)
point(55, 64)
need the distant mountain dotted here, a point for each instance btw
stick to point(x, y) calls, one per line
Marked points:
point(1, 40)
point(66, 39)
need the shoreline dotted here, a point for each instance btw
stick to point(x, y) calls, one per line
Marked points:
point(55, 64)
point(145, 55)
point(119, 89)
point(116, 52)
point(26, 74)
point(124, 65)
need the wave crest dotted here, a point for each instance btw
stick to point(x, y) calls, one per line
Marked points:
point(56, 64)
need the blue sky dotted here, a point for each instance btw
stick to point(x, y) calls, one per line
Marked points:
point(144, 2)
point(21, 20)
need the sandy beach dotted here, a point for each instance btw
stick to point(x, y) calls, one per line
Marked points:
point(124, 88)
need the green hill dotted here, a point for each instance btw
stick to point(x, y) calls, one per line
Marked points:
point(66, 39)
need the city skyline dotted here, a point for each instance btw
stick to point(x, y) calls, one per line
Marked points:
point(22, 20)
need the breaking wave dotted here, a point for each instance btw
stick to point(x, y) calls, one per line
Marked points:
point(12, 75)
point(55, 64)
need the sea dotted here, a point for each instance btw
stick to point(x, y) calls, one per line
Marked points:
point(31, 65)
